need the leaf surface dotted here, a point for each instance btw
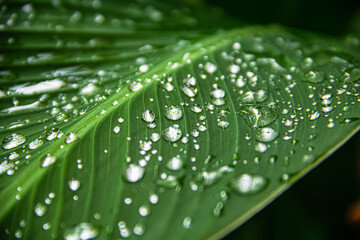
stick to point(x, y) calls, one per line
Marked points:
point(125, 120)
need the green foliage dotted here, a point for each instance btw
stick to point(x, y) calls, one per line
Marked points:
point(145, 120)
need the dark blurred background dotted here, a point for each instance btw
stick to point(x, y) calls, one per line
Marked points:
point(325, 204)
point(334, 17)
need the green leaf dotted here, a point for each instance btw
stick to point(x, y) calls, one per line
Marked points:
point(143, 120)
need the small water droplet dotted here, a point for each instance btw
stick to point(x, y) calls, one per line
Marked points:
point(53, 133)
point(172, 134)
point(13, 140)
point(40, 209)
point(175, 163)
point(35, 143)
point(154, 199)
point(82, 231)
point(70, 138)
point(134, 173)
point(116, 129)
point(258, 116)
point(210, 67)
point(139, 229)
point(266, 134)
point(314, 76)
point(135, 86)
point(248, 184)
point(48, 160)
point(74, 185)
point(218, 209)
point(187, 222)
point(148, 116)
point(144, 210)
point(173, 113)
point(223, 124)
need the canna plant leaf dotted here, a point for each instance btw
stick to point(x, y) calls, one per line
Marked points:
point(148, 120)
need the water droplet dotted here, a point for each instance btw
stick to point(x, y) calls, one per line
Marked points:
point(248, 184)
point(124, 231)
point(53, 133)
point(218, 209)
point(40, 209)
point(116, 129)
point(173, 113)
point(82, 231)
point(13, 140)
point(134, 173)
point(314, 77)
point(223, 124)
point(258, 116)
point(350, 120)
point(48, 160)
point(135, 86)
point(187, 222)
point(155, 137)
point(175, 163)
point(217, 93)
point(139, 229)
point(154, 199)
point(168, 181)
point(208, 178)
point(314, 115)
point(35, 143)
point(74, 185)
point(70, 138)
point(260, 147)
point(172, 134)
point(144, 68)
point(148, 116)
point(266, 134)
point(144, 210)
point(210, 67)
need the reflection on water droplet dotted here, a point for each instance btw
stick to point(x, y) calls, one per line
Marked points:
point(81, 231)
point(48, 160)
point(134, 173)
point(172, 134)
point(248, 184)
point(258, 116)
point(148, 116)
point(13, 140)
point(266, 134)
point(173, 113)
point(40, 209)
point(217, 93)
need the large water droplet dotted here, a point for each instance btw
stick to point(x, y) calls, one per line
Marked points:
point(172, 134)
point(187, 222)
point(258, 116)
point(173, 113)
point(139, 229)
point(134, 173)
point(210, 67)
point(248, 184)
point(82, 231)
point(13, 140)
